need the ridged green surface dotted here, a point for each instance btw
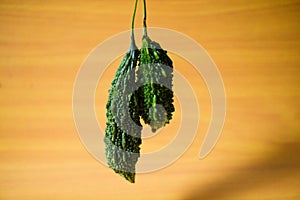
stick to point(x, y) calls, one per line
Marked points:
point(155, 74)
point(145, 92)
point(123, 130)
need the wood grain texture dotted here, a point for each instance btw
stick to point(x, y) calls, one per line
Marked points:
point(255, 44)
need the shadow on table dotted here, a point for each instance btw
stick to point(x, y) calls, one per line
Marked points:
point(283, 163)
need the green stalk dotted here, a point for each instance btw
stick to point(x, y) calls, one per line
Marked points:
point(145, 18)
point(133, 45)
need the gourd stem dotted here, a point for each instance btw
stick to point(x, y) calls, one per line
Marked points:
point(145, 18)
point(133, 45)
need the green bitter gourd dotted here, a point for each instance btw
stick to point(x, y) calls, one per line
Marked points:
point(123, 128)
point(153, 101)
point(155, 74)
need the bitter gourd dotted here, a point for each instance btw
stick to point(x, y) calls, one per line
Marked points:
point(155, 73)
point(123, 137)
point(123, 128)
point(152, 101)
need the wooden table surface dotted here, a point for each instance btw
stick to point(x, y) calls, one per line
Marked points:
point(256, 46)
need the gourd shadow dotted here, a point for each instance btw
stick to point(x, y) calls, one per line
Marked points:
point(283, 163)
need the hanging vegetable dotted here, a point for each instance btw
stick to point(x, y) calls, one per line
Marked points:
point(152, 101)
point(123, 138)
point(155, 73)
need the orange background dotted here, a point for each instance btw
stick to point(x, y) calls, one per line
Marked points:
point(255, 44)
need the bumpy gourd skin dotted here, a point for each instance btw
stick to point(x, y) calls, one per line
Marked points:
point(136, 93)
point(155, 74)
point(123, 130)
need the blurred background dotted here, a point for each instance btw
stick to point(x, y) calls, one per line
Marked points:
point(256, 46)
